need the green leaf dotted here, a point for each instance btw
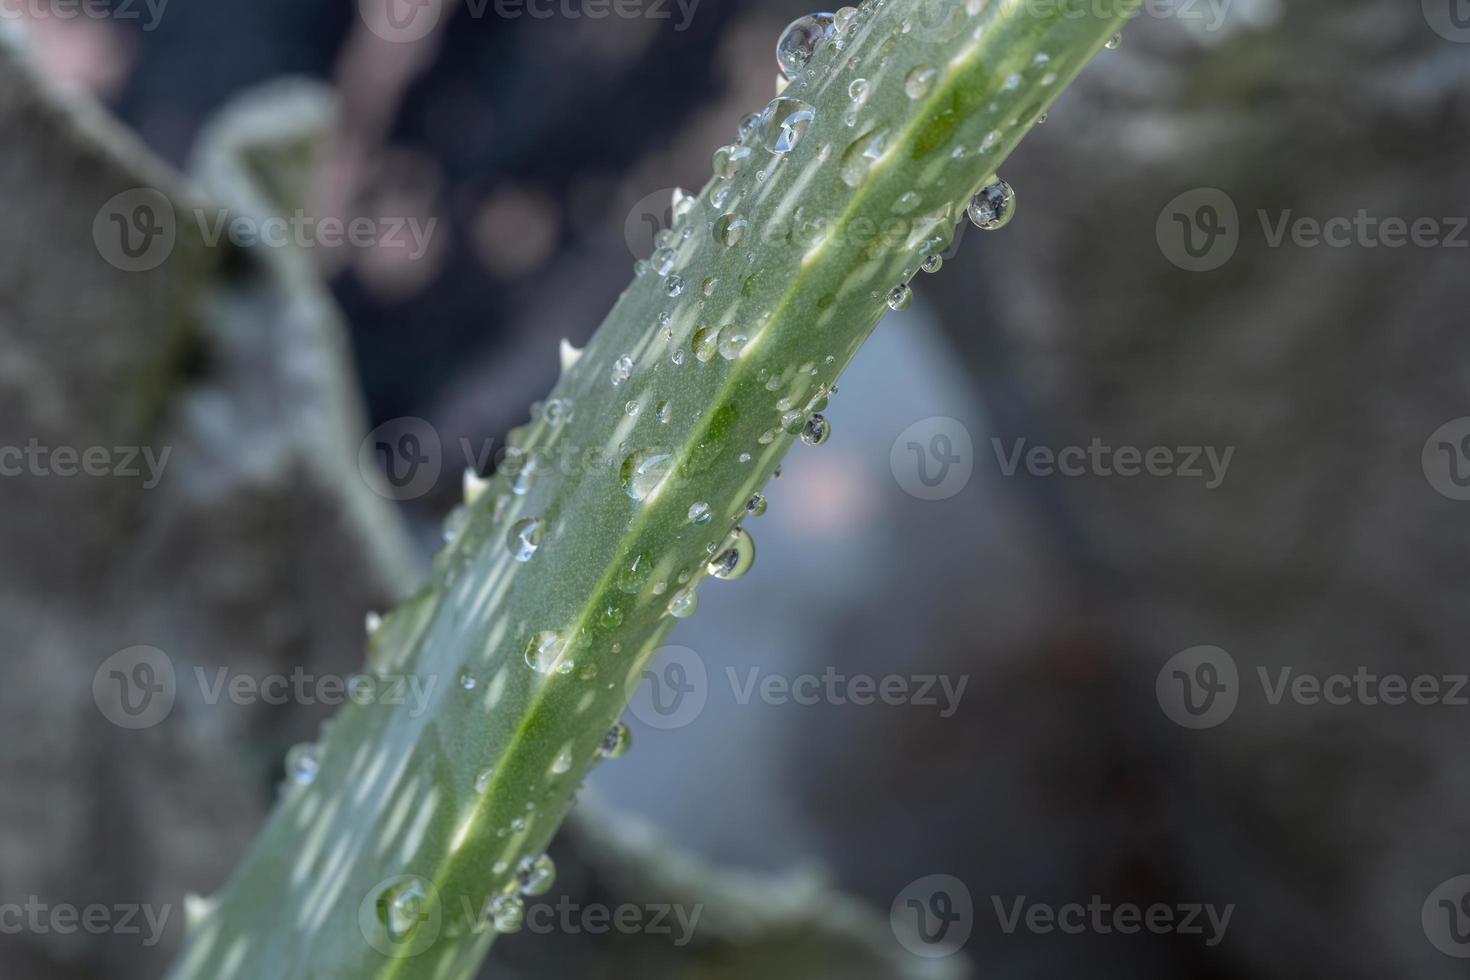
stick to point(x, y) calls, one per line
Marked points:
point(690, 393)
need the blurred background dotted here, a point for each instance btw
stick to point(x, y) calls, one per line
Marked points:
point(1230, 312)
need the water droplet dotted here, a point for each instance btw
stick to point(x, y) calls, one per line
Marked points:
point(535, 874)
point(901, 297)
point(858, 158)
point(706, 343)
point(482, 781)
point(993, 208)
point(700, 513)
point(673, 285)
point(622, 369)
point(402, 906)
point(556, 412)
point(784, 123)
point(920, 81)
point(933, 263)
point(799, 41)
point(545, 653)
point(730, 229)
point(524, 538)
point(858, 91)
point(1115, 41)
point(683, 603)
point(756, 505)
point(732, 344)
point(562, 764)
point(302, 764)
point(616, 743)
point(372, 622)
point(662, 260)
point(728, 159)
point(467, 680)
point(664, 411)
point(644, 471)
point(634, 575)
point(748, 122)
point(816, 431)
point(735, 558)
point(506, 913)
point(681, 202)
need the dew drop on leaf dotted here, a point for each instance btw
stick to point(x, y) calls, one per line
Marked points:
point(800, 39)
point(993, 208)
point(524, 538)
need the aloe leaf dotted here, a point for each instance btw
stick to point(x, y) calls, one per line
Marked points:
point(563, 575)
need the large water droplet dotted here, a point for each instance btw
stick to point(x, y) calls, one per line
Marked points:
point(634, 575)
point(616, 743)
point(920, 81)
point(784, 123)
point(524, 538)
point(402, 906)
point(1115, 41)
point(901, 298)
point(800, 41)
point(706, 343)
point(506, 913)
point(993, 208)
point(683, 603)
point(817, 430)
point(756, 505)
point(858, 158)
point(546, 653)
point(730, 229)
point(700, 513)
point(535, 874)
point(735, 558)
point(622, 369)
point(644, 470)
point(933, 263)
point(482, 781)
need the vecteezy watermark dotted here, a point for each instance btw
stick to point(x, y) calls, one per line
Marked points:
point(1450, 19)
point(66, 462)
point(676, 687)
point(1101, 917)
point(1201, 229)
point(403, 916)
point(149, 12)
point(1446, 917)
point(406, 21)
point(41, 918)
point(137, 230)
point(1446, 459)
point(938, 691)
point(933, 459)
point(933, 916)
point(1201, 688)
point(1207, 463)
point(138, 687)
point(402, 458)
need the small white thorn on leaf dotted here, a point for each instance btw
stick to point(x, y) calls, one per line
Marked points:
point(475, 485)
point(781, 82)
point(569, 354)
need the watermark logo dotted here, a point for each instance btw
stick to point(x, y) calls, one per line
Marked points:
point(650, 214)
point(1198, 688)
point(1446, 459)
point(135, 231)
point(1450, 19)
point(1446, 917)
point(41, 918)
point(401, 21)
point(933, 459)
point(672, 691)
point(1104, 918)
point(1098, 459)
point(135, 688)
point(1199, 230)
point(933, 917)
point(401, 459)
point(401, 917)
